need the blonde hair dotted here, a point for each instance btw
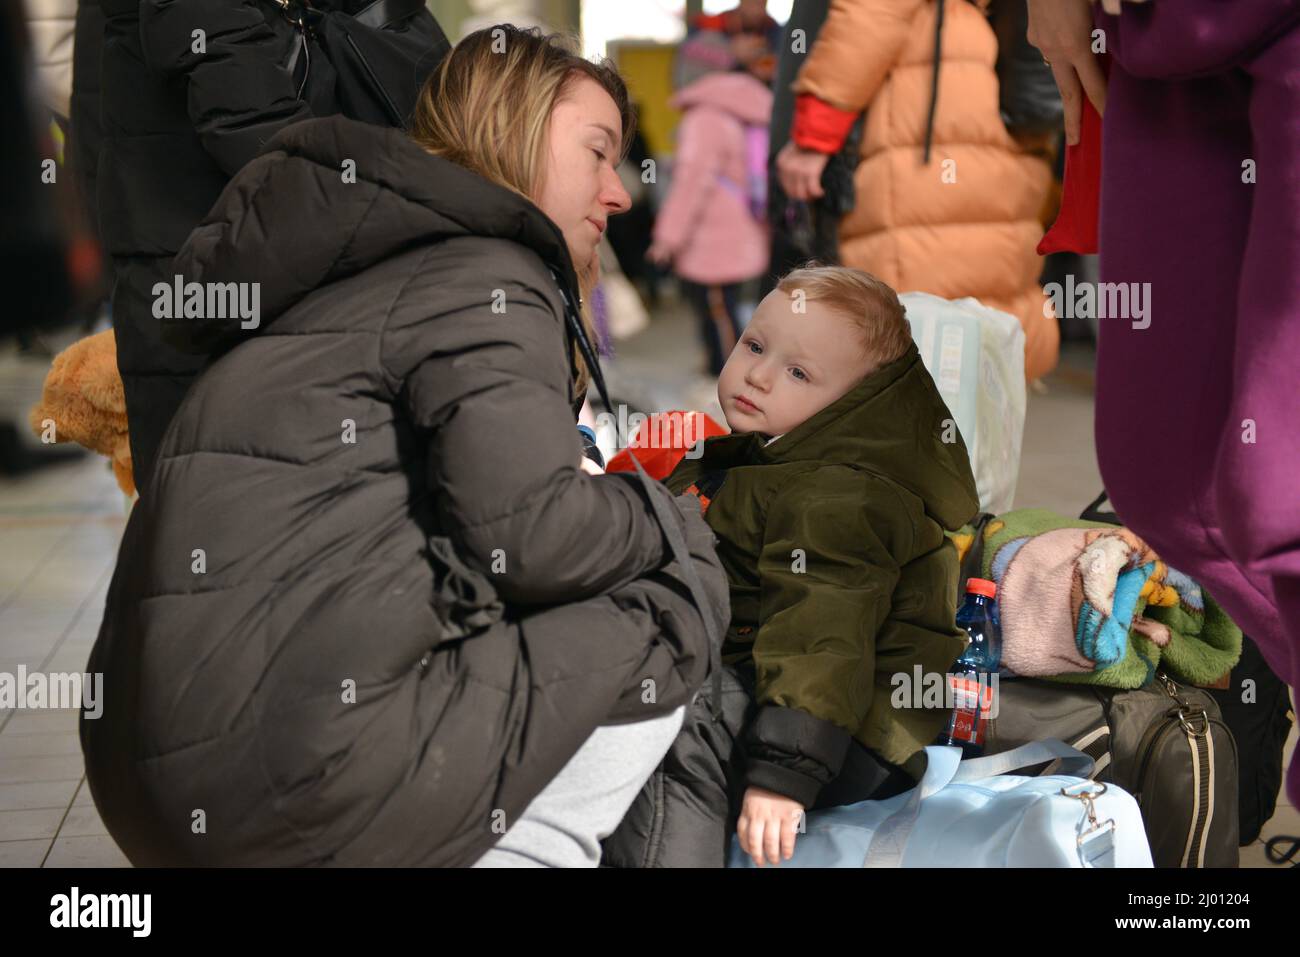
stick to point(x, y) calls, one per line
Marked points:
point(871, 305)
point(487, 107)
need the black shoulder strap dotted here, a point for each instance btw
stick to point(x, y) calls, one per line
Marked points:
point(667, 521)
point(1093, 512)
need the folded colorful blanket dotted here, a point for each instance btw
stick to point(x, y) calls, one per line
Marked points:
point(1090, 603)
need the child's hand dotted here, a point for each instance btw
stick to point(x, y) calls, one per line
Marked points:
point(590, 467)
point(768, 825)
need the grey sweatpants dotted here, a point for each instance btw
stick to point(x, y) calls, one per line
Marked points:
point(564, 825)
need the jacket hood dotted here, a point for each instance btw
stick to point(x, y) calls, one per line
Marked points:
point(736, 93)
point(289, 220)
point(892, 423)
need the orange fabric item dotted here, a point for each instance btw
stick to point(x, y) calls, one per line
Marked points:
point(966, 223)
point(705, 501)
point(659, 442)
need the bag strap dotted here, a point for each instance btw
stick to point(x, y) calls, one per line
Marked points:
point(667, 521)
point(1072, 761)
point(1093, 512)
point(944, 766)
point(1202, 792)
point(890, 840)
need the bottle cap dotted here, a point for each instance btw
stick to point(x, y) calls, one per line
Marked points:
point(982, 586)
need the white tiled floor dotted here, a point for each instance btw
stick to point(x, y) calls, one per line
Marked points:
point(59, 529)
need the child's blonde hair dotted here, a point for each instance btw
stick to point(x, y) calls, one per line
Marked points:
point(870, 304)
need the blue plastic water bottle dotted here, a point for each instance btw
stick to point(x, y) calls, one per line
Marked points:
point(970, 682)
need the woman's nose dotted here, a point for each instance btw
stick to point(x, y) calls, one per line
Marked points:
point(613, 196)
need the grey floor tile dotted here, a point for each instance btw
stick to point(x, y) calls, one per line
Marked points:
point(1058, 464)
point(38, 745)
point(61, 767)
point(1285, 820)
point(1253, 856)
point(30, 825)
point(36, 794)
point(32, 637)
point(96, 851)
point(67, 660)
point(82, 821)
point(23, 853)
point(9, 663)
point(54, 721)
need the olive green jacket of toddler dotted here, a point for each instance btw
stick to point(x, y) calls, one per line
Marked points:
point(841, 574)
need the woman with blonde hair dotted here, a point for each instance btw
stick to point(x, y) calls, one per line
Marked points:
point(373, 611)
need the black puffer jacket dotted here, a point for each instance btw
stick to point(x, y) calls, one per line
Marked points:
point(177, 124)
point(490, 603)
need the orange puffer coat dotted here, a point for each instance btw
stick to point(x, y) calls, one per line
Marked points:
point(967, 222)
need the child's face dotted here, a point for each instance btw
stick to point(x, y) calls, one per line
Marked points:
point(788, 366)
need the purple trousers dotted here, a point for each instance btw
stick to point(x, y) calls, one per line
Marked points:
point(1198, 412)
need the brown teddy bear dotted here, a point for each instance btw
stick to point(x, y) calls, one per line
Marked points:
point(83, 402)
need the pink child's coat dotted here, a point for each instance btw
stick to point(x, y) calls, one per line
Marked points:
point(708, 228)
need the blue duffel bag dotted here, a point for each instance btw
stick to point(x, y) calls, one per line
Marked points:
point(974, 814)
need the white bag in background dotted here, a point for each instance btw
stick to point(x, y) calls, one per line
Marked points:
point(625, 311)
point(976, 356)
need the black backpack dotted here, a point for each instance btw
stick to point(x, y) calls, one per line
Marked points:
point(368, 65)
point(1261, 726)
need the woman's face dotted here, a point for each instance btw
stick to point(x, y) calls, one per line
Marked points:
point(581, 188)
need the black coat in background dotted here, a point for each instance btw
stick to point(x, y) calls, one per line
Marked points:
point(86, 129)
point(383, 480)
point(177, 124)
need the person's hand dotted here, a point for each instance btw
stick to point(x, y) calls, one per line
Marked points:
point(1112, 6)
point(659, 254)
point(800, 171)
point(1062, 31)
point(768, 825)
point(590, 467)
